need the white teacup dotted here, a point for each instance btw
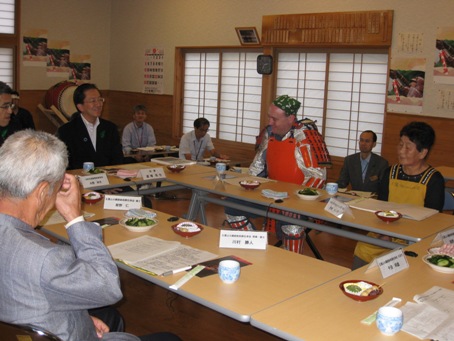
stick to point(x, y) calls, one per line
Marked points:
point(389, 320)
point(331, 188)
point(229, 271)
point(221, 167)
point(88, 166)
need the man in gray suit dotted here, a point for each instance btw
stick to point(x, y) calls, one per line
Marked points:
point(363, 170)
point(42, 283)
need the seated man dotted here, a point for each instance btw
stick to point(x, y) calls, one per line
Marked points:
point(8, 122)
point(138, 133)
point(193, 144)
point(289, 150)
point(23, 116)
point(87, 136)
point(363, 170)
point(47, 284)
point(411, 181)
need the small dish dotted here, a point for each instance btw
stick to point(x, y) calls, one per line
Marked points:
point(123, 222)
point(187, 229)
point(176, 168)
point(388, 216)
point(376, 290)
point(92, 197)
point(249, 184)
point(438, 268)
point(304, 194)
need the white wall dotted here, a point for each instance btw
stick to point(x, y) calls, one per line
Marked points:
point(117, 32)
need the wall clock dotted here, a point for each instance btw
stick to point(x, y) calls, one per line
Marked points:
point(265, 64)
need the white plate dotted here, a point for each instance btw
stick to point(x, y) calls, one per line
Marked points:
point(308, 197)
point(137, 228)
point(437, 268)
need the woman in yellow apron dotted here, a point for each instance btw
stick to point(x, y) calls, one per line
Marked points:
point(411, 181)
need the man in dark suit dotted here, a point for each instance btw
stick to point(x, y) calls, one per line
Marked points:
point(363, 170)
point(87, 136)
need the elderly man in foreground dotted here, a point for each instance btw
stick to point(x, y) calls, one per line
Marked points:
point(42, 283)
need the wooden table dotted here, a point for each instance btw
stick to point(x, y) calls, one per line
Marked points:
point(203, 184)
point(274, 276)
point(325, 313)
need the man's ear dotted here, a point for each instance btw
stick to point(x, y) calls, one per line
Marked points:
point(79, 106)
point(41, 191)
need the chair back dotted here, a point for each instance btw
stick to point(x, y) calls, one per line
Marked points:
point(14, 332)
point(449, 200)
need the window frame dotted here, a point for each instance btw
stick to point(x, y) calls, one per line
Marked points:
point(329, 51)
point(13, 41)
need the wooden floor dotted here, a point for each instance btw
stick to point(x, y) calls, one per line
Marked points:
point(149, 308)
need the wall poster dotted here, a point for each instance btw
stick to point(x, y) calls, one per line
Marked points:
point(406, 85)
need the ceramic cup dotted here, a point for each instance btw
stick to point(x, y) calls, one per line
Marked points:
point(331, 188)
point(389, 320)
point(88, 166)
point(168, 148)
point(229, 271)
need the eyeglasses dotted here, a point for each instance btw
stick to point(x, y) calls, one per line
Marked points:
point(96, 100)
point(7, 106)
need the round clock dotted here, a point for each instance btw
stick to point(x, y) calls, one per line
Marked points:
point(265, 64)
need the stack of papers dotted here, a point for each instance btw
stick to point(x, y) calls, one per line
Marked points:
point(407, 210)
point(432, 317)
point(268, 193)
point(169, 160)
point(156, 256)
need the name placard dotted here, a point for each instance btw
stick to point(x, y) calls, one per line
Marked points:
point(156, 173)
point(95, 180)
point(447, 236)
point(121, 202)
point(336, 207)
point(392, 263)
point(243, 239)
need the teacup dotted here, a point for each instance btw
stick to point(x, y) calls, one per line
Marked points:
point(229, 271)
point(88, 166)
point(331, 188)
point(389, 320)
point(221, 167)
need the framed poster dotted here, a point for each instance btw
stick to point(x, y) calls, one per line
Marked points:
point(248, 35)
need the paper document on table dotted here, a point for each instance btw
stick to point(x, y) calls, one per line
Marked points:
point(360, 194)
point(54, 217)
point(156, 255)
point(169, 160)
point(432, 317)
point(407, 210)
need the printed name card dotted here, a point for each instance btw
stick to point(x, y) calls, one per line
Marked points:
point(95, 180)
point(447, 236)
point(243, 239)
point(337, 208)
point(152, 173)
point(392, 263)
point(122, 202)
